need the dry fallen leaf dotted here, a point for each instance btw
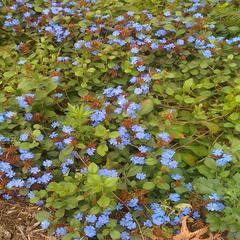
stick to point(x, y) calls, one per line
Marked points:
point(185, 234)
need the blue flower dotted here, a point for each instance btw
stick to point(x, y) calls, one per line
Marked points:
point(196, 215)
point(47, 163)
point(135, 50)
point(28, 116)
point(141, 68)
point(174, 197)
point(34, 170)
point(31, 195)
point(55, 124)
point(132, 108)
point(22, 102)
point(98, 117)
point(215, 207)
point(224, 160)
point(141, 176)
point(61, 231)
point(112, 92)
point(90, 231)
point(67, 129)
point(217, 152)
point(159, 216)
point(21, 62)
point(214, 197)
point(23, 137)
point(45, 178)
point(53, 135)
point(15, 182)
point(127, 221)
point(164, 136)
point(102, 220)
point(119, 206)
point(198, 15)
point(144, 149)
point(79, 44)
point(133, 202)
point(9, 114)
point(191, 39)
point(78, 216)
point(167, 13)
point(185, 211)
point(160, 33)
point(108, 173)
point(130, 13)
point(180, 42)
point(134, 60)
point(45, 224)
point(148, 223)
point(137, 160)
point(166, 159)
point(154, 45)
point(91, 218)
point(25, 155)
point(176, 177)
point(91, 151)
point(30, 181)
point(188, 186)
point(207, 53)
point(39, 138)
point(119, 18)
point(125, 236)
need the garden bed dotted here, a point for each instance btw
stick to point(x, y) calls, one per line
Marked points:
point(122, 117)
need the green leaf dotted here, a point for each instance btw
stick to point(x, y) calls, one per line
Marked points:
point(60, 213)
point(163, 186)
point(134, 170)
point(151, 161)
point(169, 91)
point(93, 168)
point(71, 236)
point(213, 127)
point(210, 163)
point(9, 74)
point(110, 182)
point(237, 98)
point(104, 201)
point(205, 171)
point(187, 157)
point(208, 186)
point(65, 153)
point(100, 131)
point(2, 98)
point(115, 234)
point(94, 179)
point(95, 210)
point(146, 106)
point(114, 134)
point(102, 149)
point(237, 127)
point(199, 150)
point(148, 185)
point(187, 85)
point(42, 215)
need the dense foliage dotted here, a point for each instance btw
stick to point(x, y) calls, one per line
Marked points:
point(122, 116)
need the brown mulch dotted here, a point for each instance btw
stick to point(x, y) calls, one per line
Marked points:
point(17, 222)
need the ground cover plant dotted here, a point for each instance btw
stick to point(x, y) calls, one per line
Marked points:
point(122, 119)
